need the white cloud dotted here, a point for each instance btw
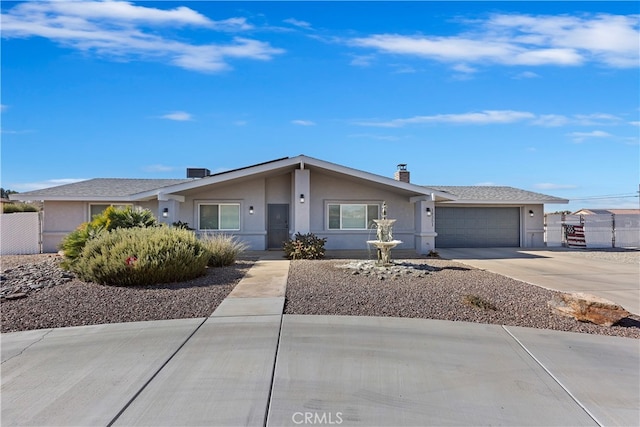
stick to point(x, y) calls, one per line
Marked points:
point(526, 75)
point(362, 60)
point(476, 118)
point(581, 136)
point(464, 68)
point(180, 116)
point(298, 23)
point(635, 123)
point(116, 29)
point(303, 122)
point(512, 39)
point(505, 117)
point(552, 186)
point(551, 120)
point(3, 108)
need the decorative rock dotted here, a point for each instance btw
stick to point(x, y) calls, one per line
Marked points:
point(18, 282)
point(588, 308)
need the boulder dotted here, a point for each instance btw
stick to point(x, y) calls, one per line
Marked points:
point(588, 308)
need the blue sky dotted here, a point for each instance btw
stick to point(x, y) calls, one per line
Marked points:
point(537, 95)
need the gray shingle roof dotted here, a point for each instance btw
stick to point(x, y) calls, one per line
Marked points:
point(481, 193)
point(101, 187)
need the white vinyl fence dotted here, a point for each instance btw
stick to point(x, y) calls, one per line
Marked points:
point(20, 233)
point(600, 231)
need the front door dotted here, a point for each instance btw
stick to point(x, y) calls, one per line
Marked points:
point(278, 225)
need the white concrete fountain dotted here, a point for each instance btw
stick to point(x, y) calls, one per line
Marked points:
point(384, 234)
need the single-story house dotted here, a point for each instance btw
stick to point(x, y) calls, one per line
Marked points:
point(267, 203)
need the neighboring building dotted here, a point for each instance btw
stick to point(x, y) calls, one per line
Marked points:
point(267, 203)
point(607, 212)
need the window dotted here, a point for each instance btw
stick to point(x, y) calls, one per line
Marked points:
point(352, 216)
point(99, 208)
point(220, 216)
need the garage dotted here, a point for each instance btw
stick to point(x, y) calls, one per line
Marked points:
point(474, 227)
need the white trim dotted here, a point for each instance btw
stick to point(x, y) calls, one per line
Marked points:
point(217, 203)
point(366, 205)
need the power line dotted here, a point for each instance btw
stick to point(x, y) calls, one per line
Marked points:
point(621, 196)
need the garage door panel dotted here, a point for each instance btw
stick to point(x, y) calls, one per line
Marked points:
point(477, 227)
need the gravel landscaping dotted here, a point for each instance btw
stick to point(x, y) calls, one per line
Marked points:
point(52, 300)
point(430, 289)
point(419, 288)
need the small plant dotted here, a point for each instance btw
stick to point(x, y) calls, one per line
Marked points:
point(142, 256)
point(479, 302)
point(180, 224)
point(305, 246)
point(224, 249)
point(433, 254)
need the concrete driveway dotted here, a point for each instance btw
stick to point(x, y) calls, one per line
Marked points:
point(568, 270)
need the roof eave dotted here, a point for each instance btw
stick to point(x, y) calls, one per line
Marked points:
point(507, 202)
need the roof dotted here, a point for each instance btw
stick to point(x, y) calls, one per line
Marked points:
point(126, 189)
point(495, 194)
point(607, 212)
point(98, 189)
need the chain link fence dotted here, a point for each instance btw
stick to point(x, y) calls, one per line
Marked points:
point(600, 231)
point(20, 233)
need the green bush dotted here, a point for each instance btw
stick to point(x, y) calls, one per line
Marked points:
point(109, 219)
point(224, 249)
point(129, 217)
point(18, 207)
point(305, 246)
point(142, 256)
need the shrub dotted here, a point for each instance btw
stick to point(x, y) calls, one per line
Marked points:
point(142, 256)
point(18, 207)
point(129, 217)
point(109, 219)
point(74, 242)
point(305, 246)
point(224, 249)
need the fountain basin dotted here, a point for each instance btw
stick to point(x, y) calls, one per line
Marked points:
point(384, 250)
point(380, 245)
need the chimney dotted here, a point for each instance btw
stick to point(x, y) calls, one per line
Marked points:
point(198, 172)
point(402, 174)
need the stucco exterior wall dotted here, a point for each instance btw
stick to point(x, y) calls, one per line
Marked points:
point(327, 188)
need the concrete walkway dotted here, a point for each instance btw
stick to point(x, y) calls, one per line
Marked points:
point(247, 364)
point(559, 269)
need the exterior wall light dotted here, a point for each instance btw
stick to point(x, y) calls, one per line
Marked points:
point(301, 198)
point(250, 210)
point(428, 211)
point(165, 213)
point(530, 213)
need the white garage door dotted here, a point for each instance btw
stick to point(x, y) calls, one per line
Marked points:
point(477, 227)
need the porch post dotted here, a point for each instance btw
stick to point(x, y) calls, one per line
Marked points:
point(302, 201)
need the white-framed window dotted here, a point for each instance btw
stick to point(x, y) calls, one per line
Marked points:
point(98, 208)
point(351, 216)
point(219, 216)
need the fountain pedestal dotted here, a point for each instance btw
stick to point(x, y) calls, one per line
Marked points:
point(384, 250)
